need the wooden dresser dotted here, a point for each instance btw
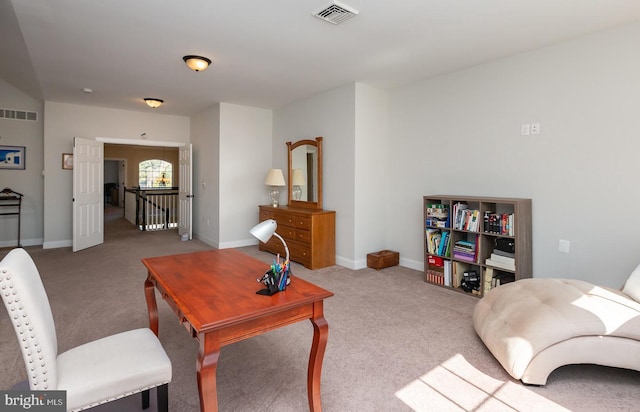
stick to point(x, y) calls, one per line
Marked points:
point(310, 234)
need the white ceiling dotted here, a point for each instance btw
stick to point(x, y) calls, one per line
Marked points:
point(267, 53)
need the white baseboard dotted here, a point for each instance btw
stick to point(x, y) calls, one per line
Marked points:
point(348, 263)
point(57, 244)
point(207, 240)
point(412, 264)
point(23, 242)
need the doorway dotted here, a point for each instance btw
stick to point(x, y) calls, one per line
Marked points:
point(115, 176)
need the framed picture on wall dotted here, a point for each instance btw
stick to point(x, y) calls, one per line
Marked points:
point(12, 157)
point(67, 161)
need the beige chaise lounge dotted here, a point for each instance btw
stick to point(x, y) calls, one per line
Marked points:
point(534, 326)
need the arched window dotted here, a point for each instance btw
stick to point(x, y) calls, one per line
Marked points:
point(155, 173)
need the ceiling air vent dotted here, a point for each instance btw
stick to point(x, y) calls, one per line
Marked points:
point(336, 13)
point(18, 114)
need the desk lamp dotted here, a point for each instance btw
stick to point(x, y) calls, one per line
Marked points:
point(264, 230)
point(277, 278)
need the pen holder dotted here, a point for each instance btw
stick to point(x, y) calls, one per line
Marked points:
point(275, 279)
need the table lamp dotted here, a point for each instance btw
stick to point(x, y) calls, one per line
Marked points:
point(274, 179)
point(297, 180)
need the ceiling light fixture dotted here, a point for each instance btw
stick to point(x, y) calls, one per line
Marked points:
point(196, 63)
point(152, 102)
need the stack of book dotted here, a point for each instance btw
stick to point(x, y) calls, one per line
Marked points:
point(502, 260)
point(465, 250)
point(437, 215)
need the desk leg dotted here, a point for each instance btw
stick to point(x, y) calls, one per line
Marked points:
point(208, 354)
point(320, 335)
point(152, 307)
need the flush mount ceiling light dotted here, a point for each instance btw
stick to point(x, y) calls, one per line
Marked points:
point(196, 63)
point(152, 102)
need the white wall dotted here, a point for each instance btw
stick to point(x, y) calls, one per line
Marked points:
point(373, 188)
point(232, 153)
point(332, 116)
point(460, 134)
point(205, 138)
point(63, 122)
point(245, 148)
point(29, 182)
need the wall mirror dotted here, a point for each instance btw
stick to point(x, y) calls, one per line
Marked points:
point(305, 173)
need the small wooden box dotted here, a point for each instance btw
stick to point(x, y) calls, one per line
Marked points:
point(383, 259)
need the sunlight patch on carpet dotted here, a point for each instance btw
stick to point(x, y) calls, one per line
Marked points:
point(455, 385)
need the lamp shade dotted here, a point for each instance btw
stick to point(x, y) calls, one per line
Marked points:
point(264, 230)
point(298, 178)
point(196, 63)
point(275, 177)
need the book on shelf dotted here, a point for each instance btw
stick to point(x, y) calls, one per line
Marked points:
point(437, 215)
point(499, 223)
point(503, 253)
point(465, 218)
point(444, 243)
point(447, 251)
point(501, 265)
point(503, 259)
point(464, 256)
point(458, 212)
point(447, 273)
point(500, 278)
point(433, 240)
point(438, 242)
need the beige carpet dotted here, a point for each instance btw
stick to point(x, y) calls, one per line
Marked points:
point(395, 342)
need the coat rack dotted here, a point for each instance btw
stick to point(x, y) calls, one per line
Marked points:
point(13, 201)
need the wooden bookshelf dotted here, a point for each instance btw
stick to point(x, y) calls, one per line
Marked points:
point(490, 236)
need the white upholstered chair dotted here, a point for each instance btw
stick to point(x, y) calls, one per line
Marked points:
point(91, 374)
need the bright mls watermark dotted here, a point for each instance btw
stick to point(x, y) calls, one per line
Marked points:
point(37, 401)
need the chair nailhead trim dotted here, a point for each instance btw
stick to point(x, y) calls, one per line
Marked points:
point(24, 329)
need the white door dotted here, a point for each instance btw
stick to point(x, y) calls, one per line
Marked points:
point(88, 193)
point(185, 196)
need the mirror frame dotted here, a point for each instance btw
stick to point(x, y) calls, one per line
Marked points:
point(299, 203)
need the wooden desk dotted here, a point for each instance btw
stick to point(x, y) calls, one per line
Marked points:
point(213, 295)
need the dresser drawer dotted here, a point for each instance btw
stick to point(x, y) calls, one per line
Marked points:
point(265, 215)
point(287, 232)
point(303, 236)
point(300, 253)
point(274, 245)
point(285, 220)
point(303, 222)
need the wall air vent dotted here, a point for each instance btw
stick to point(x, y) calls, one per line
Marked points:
point(336, 13)
point(18, 114)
